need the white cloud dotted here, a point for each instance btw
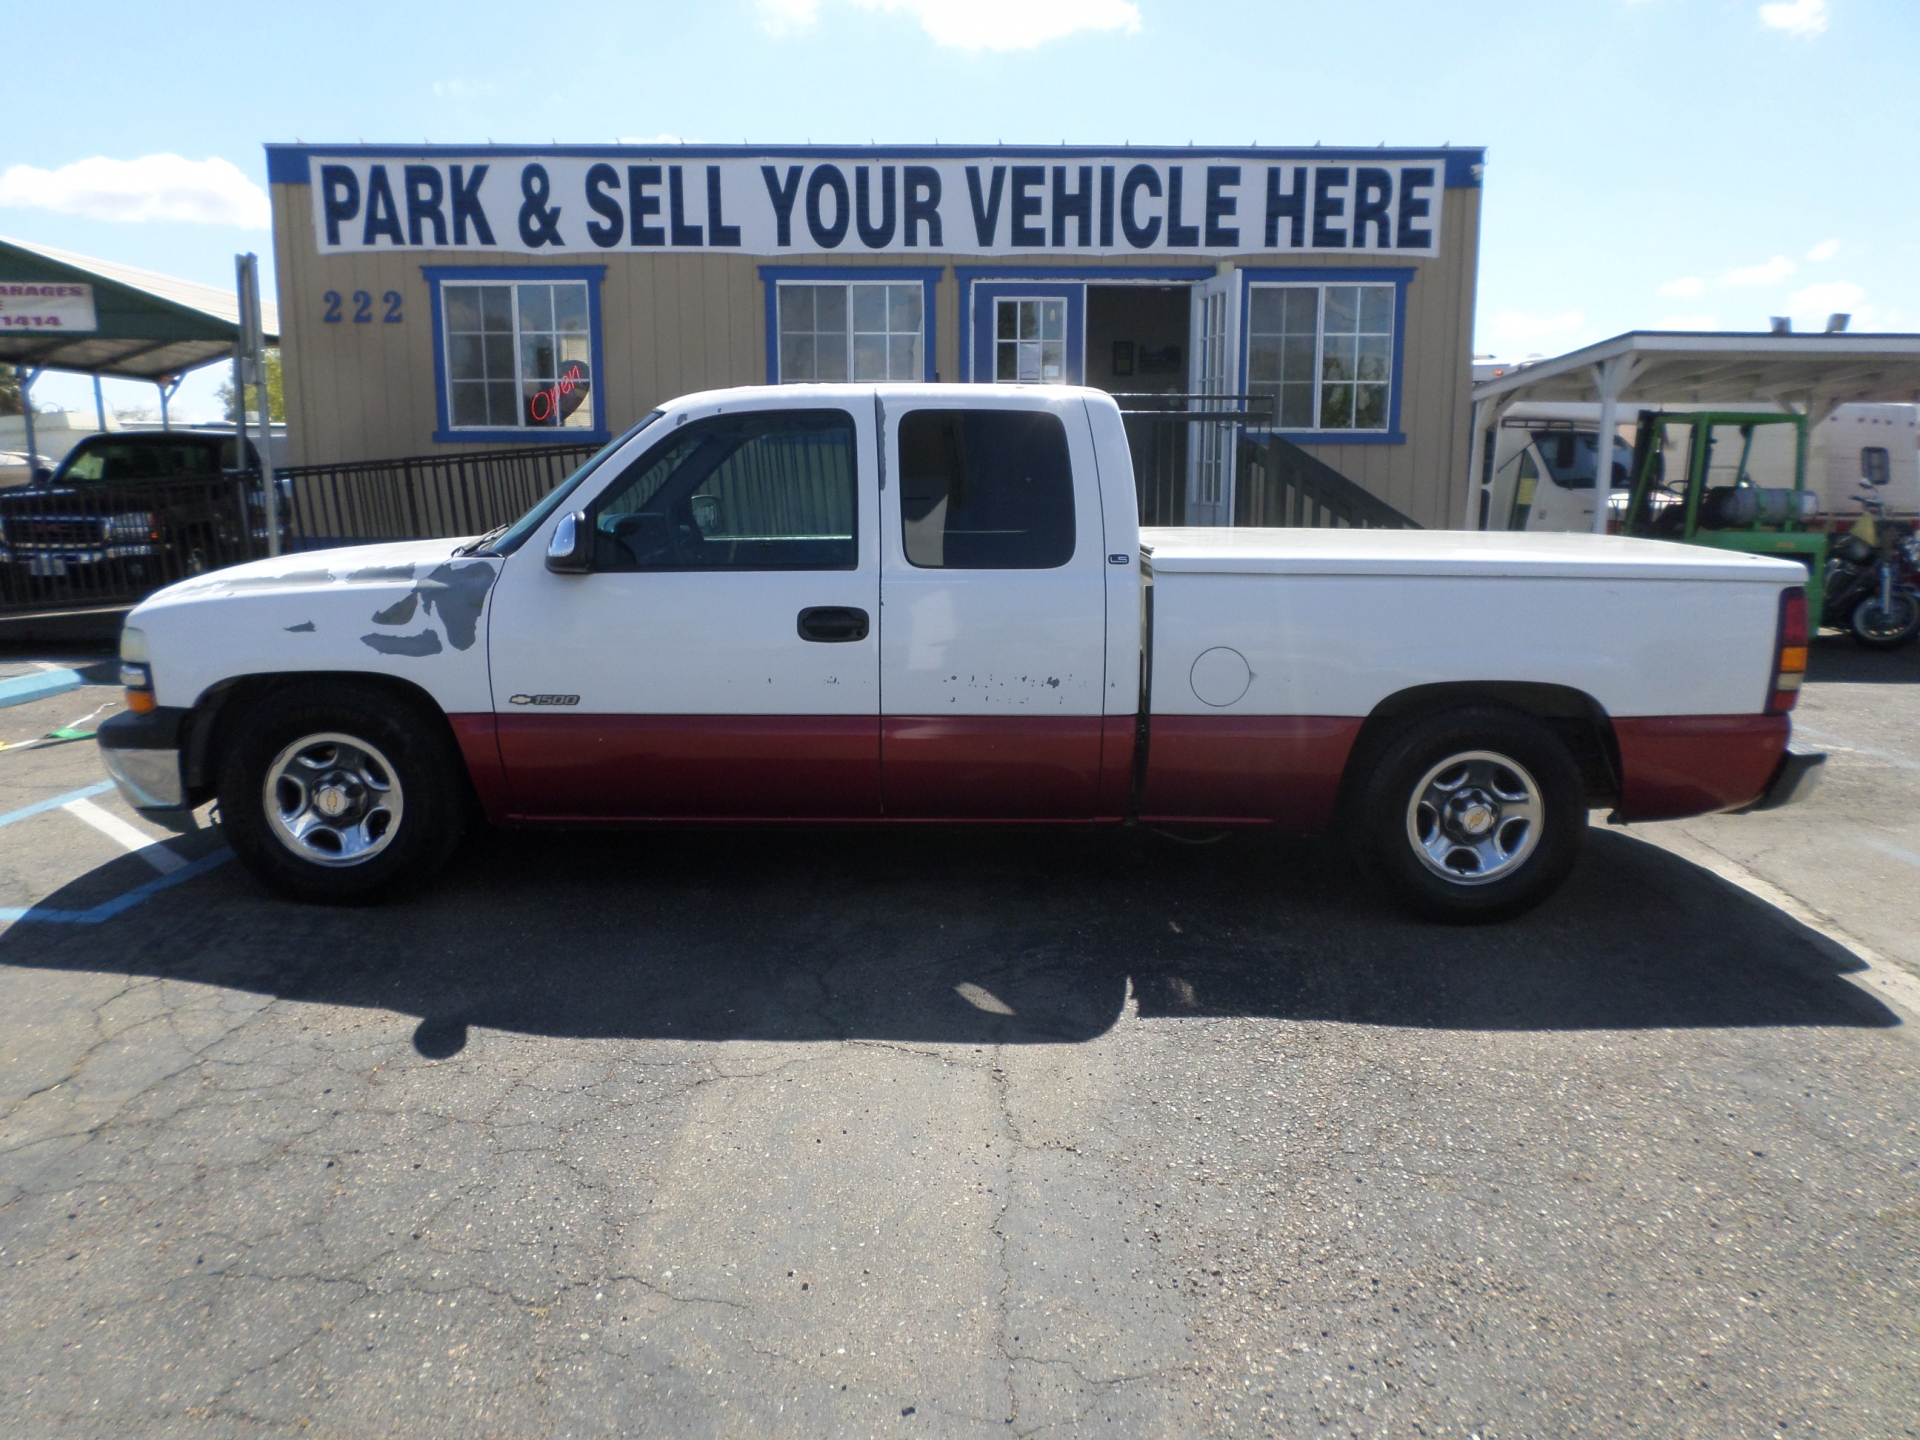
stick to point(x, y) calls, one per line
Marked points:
point(154, 187)
point(463, 89)
point(1688, 322)
point(1805, 18)
point(1822, 300)
point(1756, 276)
point(1825, 250)
point(1687, 287)
point(974, 24)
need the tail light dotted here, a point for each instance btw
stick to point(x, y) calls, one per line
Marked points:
point(1790, 653)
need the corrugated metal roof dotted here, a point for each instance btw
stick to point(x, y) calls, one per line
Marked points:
point(151, 325)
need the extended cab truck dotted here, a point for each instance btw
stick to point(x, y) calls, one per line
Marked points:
point(923, 603)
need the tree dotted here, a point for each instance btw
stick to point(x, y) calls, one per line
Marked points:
point(276, 389)
point(9, 391)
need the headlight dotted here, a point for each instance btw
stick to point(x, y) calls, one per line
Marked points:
point(133, 646)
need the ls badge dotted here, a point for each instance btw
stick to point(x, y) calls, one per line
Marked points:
point(544, 699)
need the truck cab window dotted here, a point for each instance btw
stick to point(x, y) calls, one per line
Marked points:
point(762, 490)
point(985, 490)
point(1876, 465)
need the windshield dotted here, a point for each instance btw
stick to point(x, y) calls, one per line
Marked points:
point(110, 462)
point(1569, 456)
point(517, 533)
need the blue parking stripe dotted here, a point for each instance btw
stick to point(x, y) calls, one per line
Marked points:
point(107, 909)
point(22, 688)
point(55, 803)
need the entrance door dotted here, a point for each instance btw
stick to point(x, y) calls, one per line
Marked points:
point(723, 657)
point(1211, 443)
point(993, 653)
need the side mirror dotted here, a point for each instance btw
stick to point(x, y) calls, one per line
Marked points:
point(570, 552)
point(41, 474)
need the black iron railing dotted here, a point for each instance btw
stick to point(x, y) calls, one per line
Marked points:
point(1281, 484)
point(421, 497)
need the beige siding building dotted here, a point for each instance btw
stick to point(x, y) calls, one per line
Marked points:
point(435, 299)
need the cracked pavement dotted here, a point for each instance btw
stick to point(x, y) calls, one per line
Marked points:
point(957, 1133)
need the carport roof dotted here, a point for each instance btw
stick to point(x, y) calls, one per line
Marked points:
point(151, 326)
point(1697, 368)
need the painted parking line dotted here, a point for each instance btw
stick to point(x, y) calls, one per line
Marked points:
point(26, 812)
point(135, 842)
point(107, 909)
point(22, 688)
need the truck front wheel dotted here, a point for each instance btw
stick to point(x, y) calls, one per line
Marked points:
point(340, 793)
point(1472, 814)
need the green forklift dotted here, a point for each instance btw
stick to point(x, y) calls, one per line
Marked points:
point(1706, 495)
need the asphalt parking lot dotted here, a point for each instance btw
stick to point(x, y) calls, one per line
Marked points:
point(949, 1133)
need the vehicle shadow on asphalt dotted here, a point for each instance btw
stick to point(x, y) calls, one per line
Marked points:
point(1835, 658)
point(965, 936)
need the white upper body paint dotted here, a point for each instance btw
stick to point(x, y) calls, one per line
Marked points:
point(1323, 622)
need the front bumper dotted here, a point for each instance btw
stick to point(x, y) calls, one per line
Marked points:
point(1797, 776)
point(142, 754)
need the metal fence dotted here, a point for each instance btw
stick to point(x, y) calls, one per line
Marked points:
point(421, 497)
point(1274, 481)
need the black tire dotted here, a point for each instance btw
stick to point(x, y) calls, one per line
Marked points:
point(1875, 629)
point(1525, 849)
point(357, 736)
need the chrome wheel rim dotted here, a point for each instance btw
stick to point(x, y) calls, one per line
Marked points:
point(1475, 817)
point(333, 799)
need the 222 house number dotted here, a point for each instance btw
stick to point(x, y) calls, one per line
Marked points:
point(362, 307)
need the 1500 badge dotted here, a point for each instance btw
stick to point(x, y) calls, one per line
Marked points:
point(544, 699)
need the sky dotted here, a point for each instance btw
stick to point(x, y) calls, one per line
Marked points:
point(1696, 164)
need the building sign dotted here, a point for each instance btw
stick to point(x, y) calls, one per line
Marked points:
point(33, 305)
point(992, 204)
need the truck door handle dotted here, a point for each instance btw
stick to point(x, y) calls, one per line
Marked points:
point(832, 624)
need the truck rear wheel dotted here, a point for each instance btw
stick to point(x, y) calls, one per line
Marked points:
point(340, 793)
point(1472, 814)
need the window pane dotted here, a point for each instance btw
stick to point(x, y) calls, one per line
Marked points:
point(869, 307)
point(1029, 320)
point(985, 490)
point(1296, 362)
point(830, 308)
point(1007, 360)
point(1376, 309)
point(1263, 362)
point(499, 356)
point(537, 357)
point(1370, 407)
point(1376, 357)
point(1009, 313)
point(1337, 357)
point(469, 404)
point(903, 308)
point(903, 357)
point(830, 356)
point(1336, 407)
point(1266, 310)
point(463, 307)
point(869, 357)
point(536, 307)
point(1343, 309)
point(465, 358)
point(496, 307)
point(1053, 320)
point(760, 491)
point(796, 308)
point(570, 307)
point(503, 403)
point(796, 357)
point(1053, 362)
point(1296, 407)
point(1303, 311)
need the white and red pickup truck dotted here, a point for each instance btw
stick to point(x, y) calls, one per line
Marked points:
point(925, 603)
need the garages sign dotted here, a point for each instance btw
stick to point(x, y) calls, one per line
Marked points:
point(36, 305)
point(994, 205)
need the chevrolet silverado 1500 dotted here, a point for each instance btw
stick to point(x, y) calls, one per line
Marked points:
point(924, 603)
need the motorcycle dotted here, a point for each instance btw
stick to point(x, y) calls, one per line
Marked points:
point(1872, 584)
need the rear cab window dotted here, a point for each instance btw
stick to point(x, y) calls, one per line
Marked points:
point(985, 490)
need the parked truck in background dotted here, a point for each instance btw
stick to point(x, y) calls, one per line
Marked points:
point(933, 604)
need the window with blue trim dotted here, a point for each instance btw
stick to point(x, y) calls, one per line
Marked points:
point(852, 331)
point(519, 355)
point(1323, 354)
